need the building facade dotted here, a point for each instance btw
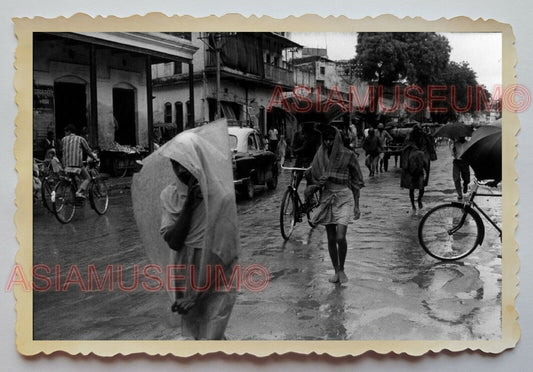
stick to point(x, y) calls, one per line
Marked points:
point(238, 86)
point(101, 83)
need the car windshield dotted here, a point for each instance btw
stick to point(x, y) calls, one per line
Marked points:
point(232, 142)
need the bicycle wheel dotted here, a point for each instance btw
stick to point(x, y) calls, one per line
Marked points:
point(98, 196)
point(46, 194)
point(64, 201)
point(450, 231)
point(287, 214)
point(313, 202)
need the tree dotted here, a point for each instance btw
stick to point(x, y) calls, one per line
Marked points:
point(461, 89)
point(413, 57)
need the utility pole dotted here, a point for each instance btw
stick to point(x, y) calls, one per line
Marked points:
point(217, 52)
point(216, 47)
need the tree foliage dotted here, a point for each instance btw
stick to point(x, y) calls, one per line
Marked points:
point(413, 57)
point(422, 59)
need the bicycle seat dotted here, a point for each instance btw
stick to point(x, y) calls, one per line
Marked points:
point(72, 170)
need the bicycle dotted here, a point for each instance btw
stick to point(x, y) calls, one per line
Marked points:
point(292, 209)
point(454, 230)
point(49, 179)
point(64, 200)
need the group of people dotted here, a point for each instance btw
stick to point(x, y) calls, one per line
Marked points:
point(185, 217)
point(417, 153)
point(375, 145)
point(333, 169)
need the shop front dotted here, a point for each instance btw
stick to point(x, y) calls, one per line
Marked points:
point(101, 83)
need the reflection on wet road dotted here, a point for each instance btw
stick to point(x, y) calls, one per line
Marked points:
point(395, 291)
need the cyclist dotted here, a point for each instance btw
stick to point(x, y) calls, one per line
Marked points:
point(73, 147)
point(307, 142)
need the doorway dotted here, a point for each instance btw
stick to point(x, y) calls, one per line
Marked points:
point(124, 114)
point(70, 107)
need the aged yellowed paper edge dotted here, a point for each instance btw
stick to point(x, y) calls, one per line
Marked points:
point(24, 28)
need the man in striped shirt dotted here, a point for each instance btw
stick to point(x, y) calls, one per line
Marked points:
point(73, 147)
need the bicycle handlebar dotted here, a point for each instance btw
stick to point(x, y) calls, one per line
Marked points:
point(295, 168)
point(488, 183)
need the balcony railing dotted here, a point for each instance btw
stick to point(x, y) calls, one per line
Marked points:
point(279, 75)
point(272, 73)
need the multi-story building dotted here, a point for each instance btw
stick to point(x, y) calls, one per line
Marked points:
point(101, 83)
point(237, 85)
point(332, 80)
point(317, 70)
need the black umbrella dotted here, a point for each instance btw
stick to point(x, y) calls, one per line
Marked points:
point(454, 130)
point(484, 153)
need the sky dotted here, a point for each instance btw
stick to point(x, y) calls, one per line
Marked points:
point(483, 51)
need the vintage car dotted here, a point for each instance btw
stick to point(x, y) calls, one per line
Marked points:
point(253, 164)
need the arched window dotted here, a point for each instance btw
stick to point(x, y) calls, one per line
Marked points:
point(168, 112)
point(179, 115)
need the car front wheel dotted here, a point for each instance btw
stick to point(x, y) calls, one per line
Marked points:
point(248, 189)
point(272, 183)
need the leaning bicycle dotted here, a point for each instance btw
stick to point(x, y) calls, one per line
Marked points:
point(49, 178)
point(292, 208)
point(64, 200)
point(454, 230)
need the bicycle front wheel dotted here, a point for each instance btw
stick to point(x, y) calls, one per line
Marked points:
point(287, 214)
point(98, 196)
point(64, 201)
point(449, 232)
point(46, 194)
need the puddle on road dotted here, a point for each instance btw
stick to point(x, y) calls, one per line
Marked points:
point(280, 273)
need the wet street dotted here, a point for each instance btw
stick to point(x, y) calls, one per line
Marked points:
point(395, 290)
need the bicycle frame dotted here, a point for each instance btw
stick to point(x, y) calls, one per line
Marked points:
point(473, 206)
point(472, 203)
point(74, 178)
point(292, 184)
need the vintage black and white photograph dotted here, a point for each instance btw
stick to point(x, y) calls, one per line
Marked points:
point(267, 186)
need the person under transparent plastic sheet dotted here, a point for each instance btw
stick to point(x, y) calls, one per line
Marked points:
point(183, 225)
point(186, 219)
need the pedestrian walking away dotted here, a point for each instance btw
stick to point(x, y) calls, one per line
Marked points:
point(415, 159)
point(336, 171)
point(461, 169)
point(372, 147)
point(384, 139)
point(282, 149)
